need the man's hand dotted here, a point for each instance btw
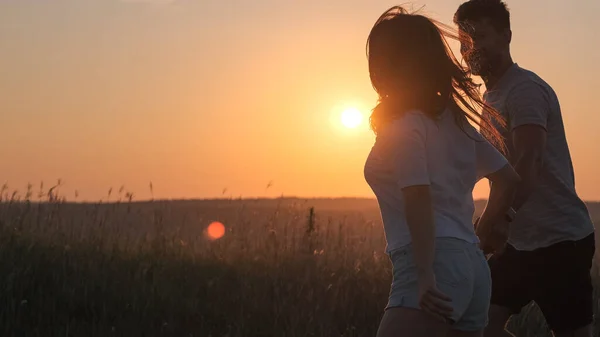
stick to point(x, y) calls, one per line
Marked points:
point(476, 223)
point(493, 237)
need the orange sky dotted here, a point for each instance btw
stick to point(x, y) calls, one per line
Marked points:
point(199, 96)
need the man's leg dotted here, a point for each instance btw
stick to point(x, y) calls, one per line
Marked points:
point(457, 333)
point(586, 331)
point(566, 297)
point(512, 278)
point(498, 317)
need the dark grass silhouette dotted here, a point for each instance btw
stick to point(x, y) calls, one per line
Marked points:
point(147, 269)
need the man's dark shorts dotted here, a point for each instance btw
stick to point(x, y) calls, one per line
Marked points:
point(557, 278)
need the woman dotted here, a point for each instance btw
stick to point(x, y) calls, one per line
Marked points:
point(426, 159)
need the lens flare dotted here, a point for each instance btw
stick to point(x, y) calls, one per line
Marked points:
point(215, 230)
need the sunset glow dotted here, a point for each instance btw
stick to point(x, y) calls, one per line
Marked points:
point(104, 94)
point(351, 118)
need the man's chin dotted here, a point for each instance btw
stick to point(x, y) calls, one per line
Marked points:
point(477, 68)
point(473, 69)
point(476, 71)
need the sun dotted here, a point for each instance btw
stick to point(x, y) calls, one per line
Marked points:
point(351, 118)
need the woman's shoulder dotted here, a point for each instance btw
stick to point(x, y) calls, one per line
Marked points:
point(410, 119)
point(416, 118)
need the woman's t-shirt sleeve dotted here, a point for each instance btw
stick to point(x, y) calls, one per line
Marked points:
point(409, 150)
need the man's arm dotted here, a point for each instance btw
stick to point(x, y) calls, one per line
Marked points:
point(528, 109)
point(529, 141)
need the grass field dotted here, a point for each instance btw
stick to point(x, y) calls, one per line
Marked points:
point(149, 269)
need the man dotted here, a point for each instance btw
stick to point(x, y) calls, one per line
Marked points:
point(551, 237)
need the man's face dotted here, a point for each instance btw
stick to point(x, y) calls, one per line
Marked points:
point(483, 46)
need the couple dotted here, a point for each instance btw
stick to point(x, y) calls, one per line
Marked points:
point(426, 159)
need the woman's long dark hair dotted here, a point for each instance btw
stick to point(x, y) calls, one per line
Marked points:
point(411, 66)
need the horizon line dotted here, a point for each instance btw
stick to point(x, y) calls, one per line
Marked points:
point(229, 199)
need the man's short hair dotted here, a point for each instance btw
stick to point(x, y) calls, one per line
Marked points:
point(474, 10)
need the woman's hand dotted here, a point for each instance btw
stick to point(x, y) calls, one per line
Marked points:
point(431, 299)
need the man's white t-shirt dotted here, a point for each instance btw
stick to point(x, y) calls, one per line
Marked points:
point(417, 150)
point(553, 212)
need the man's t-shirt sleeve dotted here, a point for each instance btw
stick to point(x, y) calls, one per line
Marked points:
point(527, 103)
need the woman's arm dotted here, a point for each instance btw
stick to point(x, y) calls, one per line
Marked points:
point(419, 217)
point(492, 228)
point(412, 177)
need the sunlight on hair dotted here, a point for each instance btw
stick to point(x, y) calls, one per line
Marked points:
point(215, 230)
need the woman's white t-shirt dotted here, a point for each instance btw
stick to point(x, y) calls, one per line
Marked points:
point(417, 150)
